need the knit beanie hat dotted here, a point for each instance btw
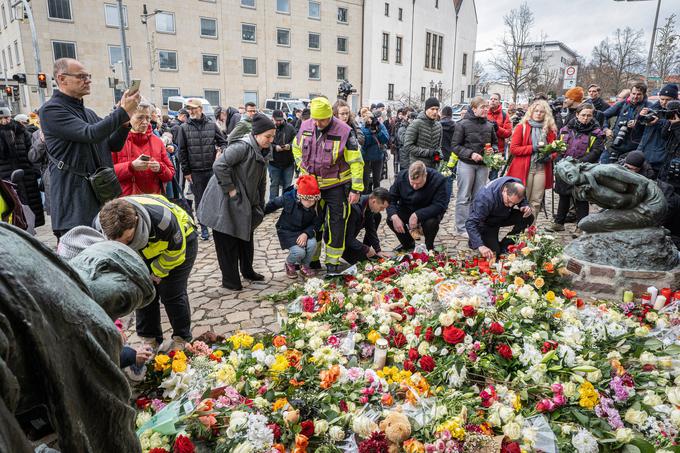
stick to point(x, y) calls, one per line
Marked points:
point(308, 188)
point(277, 115)
point(262, 124)
point(670, 90)
point(76, 240)
point(320, 108)
point(431, 102)
point(636, 159)
point(575, 94)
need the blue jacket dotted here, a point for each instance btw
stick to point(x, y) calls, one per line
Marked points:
point(372, 149)
point(624, 111)
point(295, 218)
point(488, 210)
point(652, 143)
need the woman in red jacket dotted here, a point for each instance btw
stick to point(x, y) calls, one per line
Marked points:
point(142, 166)
point(535, 130)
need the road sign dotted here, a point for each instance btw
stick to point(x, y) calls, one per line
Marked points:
point(570, 74)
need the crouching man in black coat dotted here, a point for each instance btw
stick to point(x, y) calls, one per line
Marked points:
point(502, 202)
point(365, 215)
point(418, 198)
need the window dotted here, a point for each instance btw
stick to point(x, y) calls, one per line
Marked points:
point(397, 55)
point(208, 27)
point(436, 3)
point(9, 54)
point(314, 72)
point(314, 10)
point(428, 39)
point(441, 51)
point(247, 32)
point(314, 41)
point(16, 52)
point(115, 55)
point(464, 63)
point(11, 11)
point(282, 95)
point(112, 17)
point(4, 61)
point(385, 47)
point(210, 64)
point(283, 37)
point(283, 6)
point(59, 9)
point(212, 96)
point(434, 45)
point(168, 92)
point(165, 22)
point(4, 16)
point(342, 44)
point(167, 60)
point(342, 15)
point(341, 73)
point(401, 13)
point(250, 66)
point(390, 92)
point(422, 94)
point(250, 96)
point(248, 3)
point(62, 49)
point(387, 9)
point(283, 69)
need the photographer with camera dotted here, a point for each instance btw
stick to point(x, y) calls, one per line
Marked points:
point(375, 139)
point(670, 171)
point(654, 120)
point(627, 133)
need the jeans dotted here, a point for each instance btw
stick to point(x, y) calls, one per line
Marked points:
point(372, 173)
point(172, 293)
point(279, 177)
point(449, 185)
point(128, 356)
point(430, 229)
point(470, 179)
point(302, 255)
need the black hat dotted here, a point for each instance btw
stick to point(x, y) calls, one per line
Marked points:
point(635, 159)
point(670, 90)
point(379, 105)
point(431, 102)
point(277, 115)
point(262, 124)
point(183, 112)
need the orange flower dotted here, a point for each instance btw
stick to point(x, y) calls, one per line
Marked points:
point(569, 294)
point(293, 356)
point(279, 404)
point(328, 377)
point(279, 341)
point(279, 447)
point(208, 420)
point(413, 446)
point(387, 399)
point(296, 383)
point(301, 443)
point(549, 267)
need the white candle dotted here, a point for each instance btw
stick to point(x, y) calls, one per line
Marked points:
point(653, 292)
point(660, 302)
point(380, 354)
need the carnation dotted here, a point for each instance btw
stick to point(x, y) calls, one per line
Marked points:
point(584, 442)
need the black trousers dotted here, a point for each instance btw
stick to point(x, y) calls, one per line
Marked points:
point(233, 253)
point(372, 175)
point(353, 256)
point(336, 213)
point(199, 181)
point(430, 229)
point(563, 206)
point(490, 233)
point(172, 293)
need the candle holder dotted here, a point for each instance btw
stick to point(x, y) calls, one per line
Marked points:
point(380, 354)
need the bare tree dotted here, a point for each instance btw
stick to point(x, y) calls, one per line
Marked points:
point(519, 59)
point(617, 61)
point(666, 58)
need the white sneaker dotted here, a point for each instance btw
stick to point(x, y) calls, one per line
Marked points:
point(150, 342)
point(178, 344)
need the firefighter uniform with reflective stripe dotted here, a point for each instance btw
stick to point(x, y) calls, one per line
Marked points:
point(333, 156)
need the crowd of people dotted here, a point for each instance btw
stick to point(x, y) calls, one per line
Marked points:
point(325, 169)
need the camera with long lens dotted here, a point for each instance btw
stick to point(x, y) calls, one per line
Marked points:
point(615, 148)
point(650, 116)
point(673, 172)
point(345, 89)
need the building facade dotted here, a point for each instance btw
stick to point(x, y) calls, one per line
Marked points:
point(556, 57)
point(417, 49)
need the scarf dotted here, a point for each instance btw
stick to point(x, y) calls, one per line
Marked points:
point(141, 238)
point(581, 128)
point(537, 135)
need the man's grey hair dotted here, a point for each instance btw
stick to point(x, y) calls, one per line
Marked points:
point(513, 188)
point(417, 170)
point(61, 66)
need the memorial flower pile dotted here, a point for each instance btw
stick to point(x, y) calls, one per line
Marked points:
point(430, 353)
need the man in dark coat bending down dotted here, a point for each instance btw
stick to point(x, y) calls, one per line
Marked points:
point(365, 215)
point(501, 203)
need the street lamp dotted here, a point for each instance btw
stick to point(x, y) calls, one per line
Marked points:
point(152, 58)
point(651, 44)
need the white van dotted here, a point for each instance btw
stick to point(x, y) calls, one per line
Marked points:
point(287, 106)
point(177, 103)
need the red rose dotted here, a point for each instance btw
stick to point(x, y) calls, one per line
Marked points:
point(411, 310)
point(158, 450)
point(276, 429)
point(429, 334)
point(413, 354)
point(511, 447)
point(408, 365)
point(496, 328)
point(453, 335)
point(427, 363)
point(504, 351)
point(183, 445)
point(418, 331)
point(343, 406)
point(307, 428)
point(399, 340)
point(469, 311)
point(142, 402)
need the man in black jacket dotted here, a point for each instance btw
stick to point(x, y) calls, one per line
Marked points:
point(594, 93)
point(365, 215)
point(198, 140)
point(418, 198)
point(282, 164)
point(73, 134)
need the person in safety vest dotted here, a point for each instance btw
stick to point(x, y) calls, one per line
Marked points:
point(164, 235)
point(325, 148)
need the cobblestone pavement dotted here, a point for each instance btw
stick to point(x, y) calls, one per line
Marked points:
point(224, 311)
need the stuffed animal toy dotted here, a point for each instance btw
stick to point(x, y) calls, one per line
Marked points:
point(397, 429)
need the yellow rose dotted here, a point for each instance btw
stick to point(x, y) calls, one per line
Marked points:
point(526, 251)
point(161, 362)
point(179, 366)
point(373, 336)
point(550, 296)
point(258, 347)
point(539, 282)
point(519, 281)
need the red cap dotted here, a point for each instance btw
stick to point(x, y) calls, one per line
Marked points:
point(308, 188)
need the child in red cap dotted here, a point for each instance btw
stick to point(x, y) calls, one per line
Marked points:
point(299, 223)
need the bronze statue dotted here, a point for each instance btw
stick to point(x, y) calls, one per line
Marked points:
point(629, 200)
point(59, 349)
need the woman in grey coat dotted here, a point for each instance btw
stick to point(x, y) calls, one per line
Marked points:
point(233, 202)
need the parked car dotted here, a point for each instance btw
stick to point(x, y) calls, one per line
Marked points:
point(287, 106)
point(177, 103)
point(458, 111)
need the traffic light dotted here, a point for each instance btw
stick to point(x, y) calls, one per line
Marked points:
point(8, 90)
point(16, 93)
point(42, 80)
point(21, 78)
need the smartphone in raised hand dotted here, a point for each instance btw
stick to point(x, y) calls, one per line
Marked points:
point(134, 86)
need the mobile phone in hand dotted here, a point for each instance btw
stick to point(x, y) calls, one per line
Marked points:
point(144, 157)
point(134, 86)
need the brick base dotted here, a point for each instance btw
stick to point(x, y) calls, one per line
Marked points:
point(606, 282)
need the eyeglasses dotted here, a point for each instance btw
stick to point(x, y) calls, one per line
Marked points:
point(82, 76)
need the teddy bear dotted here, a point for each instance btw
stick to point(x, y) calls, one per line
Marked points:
point(397, 429)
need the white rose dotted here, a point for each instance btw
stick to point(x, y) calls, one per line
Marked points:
point(368, 298)
point(363, 426)
point(142, 418)
point(651, 316)
point(446, 319)
point(506, 413)
point(641, 331)
point(652, 399)
point(635, 417)
point(433, 350)
point(336, 434)
point(315, 343)
point(527, 312)
point(423, 348)
point(570, 389)
point(470, 322)
point(244, 447)
point(647, 358)
point(674, 395)
point(444, 352)
point(594, 376)
point(320, 427)
point(624, 435)
point(299, 344)
point(512, 430)
point(675, 418)
point(384, 329)
point(494, 419)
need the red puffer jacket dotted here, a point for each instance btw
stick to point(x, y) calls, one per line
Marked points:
point(521, 149)
point(504, 130)
point(146, 181)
